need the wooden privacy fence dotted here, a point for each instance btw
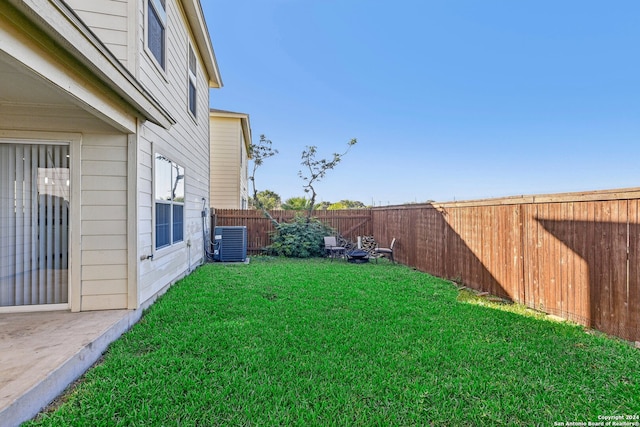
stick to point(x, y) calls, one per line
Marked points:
point(576, 256)
point(350, 223)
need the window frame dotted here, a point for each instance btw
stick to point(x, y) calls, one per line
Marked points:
point(192, 81)
point(152, 7)
point(173, 228)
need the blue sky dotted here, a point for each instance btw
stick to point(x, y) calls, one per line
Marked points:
point(449, 100)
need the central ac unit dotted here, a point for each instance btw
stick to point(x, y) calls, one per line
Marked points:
point(230, 244)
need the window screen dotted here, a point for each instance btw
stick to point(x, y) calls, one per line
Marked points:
point(156, 21)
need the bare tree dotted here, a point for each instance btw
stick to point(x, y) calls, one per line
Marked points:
point(316, 169)
point(259, 153)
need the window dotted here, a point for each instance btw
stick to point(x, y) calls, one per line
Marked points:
point(156, 28)
point(169, 190)
point(192, 82)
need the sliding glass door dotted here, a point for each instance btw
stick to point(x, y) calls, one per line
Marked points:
point(34, 224)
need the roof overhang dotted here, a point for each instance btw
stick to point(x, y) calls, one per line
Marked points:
point(53, 28)
point(196, 20)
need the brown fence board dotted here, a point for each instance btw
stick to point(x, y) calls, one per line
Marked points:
point(599, 264)
point(553, 258)
point(590, 254)
point(632, 287)
point(620, 256)
point(569, 296)
point(530, 254)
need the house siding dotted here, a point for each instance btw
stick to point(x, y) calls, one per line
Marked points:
point(108, 19)
point(44, 117)
point(186, 143)
point(226, 134)
point(104, 222)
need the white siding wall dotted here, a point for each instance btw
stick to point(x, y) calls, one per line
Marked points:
point(46, 117)
point(226, 137)
point(108, 20)
point(186, 143)
point(104, 222)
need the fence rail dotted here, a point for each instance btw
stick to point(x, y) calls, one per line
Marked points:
point(573, 255)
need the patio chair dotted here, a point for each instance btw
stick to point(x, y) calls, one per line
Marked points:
point(331, 248)
point(388, 252)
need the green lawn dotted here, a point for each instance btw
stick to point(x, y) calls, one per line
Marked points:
point(313, 342)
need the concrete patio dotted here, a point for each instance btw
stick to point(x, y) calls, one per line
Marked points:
point(41, 353)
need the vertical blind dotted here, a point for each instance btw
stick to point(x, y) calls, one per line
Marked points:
point(34, 224)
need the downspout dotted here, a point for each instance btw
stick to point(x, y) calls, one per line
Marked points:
point(189, 256)
point(205, 232)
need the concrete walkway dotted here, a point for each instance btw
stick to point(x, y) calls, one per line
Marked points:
point(42, 353)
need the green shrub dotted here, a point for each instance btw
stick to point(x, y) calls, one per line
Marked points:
point(301, 238)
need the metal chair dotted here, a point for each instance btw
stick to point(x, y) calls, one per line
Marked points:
point(388, 252)
point(331, 248)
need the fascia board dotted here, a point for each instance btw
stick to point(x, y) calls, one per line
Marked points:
point(246, 130)
point(198, 25)
point(223, 113)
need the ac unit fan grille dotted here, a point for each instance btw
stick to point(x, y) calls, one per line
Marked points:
point(231, 243)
